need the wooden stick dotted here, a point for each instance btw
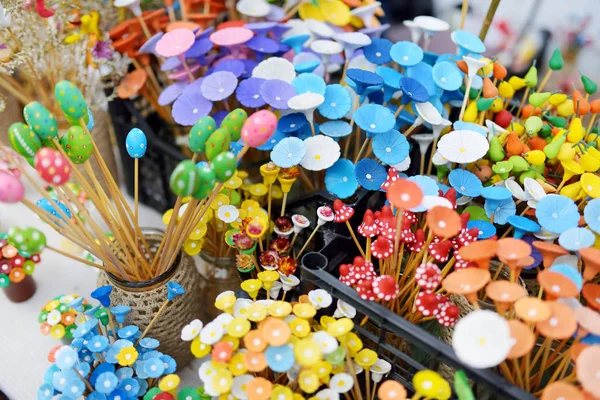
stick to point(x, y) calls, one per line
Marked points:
point(136, 168)
point(544, 81)
point(283, 203)
point(73, 257)
point(362, 253)
point(314, 232)
point(466, 99)
point(523, 100)
point(152, 322)
point(463, 13)
point(362, 148)
point(144, 27)
point(489, 17)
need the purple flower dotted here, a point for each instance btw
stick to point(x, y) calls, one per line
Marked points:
point(102, 51)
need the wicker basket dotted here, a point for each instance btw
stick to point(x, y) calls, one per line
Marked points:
point(145, 298)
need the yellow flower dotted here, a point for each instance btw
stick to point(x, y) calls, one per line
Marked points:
point(282, 393)
point(238, 327)
point(167, 216)
point(169, 383)
point(322, 369)
point(251, 286)
point(193, 247)
point(280, 309)
point(366, 358)
point(127, 356)
point(250, 205)
point(222, 381)
point(232, 341)
point(225, 303)
point(427, 383)
point(304, 310)
point(300, 327)
point(236, 365)
point(308, 381)
point(267, 278)
point(258, 190)
point(52, 305)
point(257, 312)
point(57, 331)
point(233, 183)
point(238, 222)
point(199, 232)
point(199, 349)
point(352, 343)
point(242, 174)
point(208, 216)
point(340, 327)
point(326, 320)
point(307, 352)
point(220, 200)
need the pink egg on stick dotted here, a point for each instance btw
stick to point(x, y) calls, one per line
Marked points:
point(11, 188)
point(52, 166)
point(257, 129)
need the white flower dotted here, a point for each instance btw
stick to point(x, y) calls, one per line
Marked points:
point(327, 394)
point(223, 320)
point(341, 383)
point(463, 146)
point(53, 317)
point(402, 165)
point(379, 369)
point(545, 235)
point(321, 153)
point(191, 330)
point(228, 214)
point(326, 342)
point(344, 310)
point(211, 333)
point(533, 190)
point(438, 159)
point(319, 298)
point(275, 289)
point(66, 299)
point(289, 282)
point(240, 309)
point(482, 339)
point(516, 189)
point(206, 371)
point(239, 386)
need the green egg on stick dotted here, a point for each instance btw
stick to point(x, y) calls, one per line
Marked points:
point(233, 122)
point(41, 121)
point(217, 143)
point(24, 141)
point(200, 133)
point(77, 144)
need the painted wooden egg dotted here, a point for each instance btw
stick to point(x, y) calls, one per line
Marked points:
point(23, 140)
point(258, 128)
point(52, 166)
point(40, 120)
point(184, 179)
point(200, 133)
point(136, 143)
point(207, 179)
point(45, 205)
point(70, 100)
point(11, 188)
point(217, 143)
point(224, 165)
point(233, 122)
point(77, 144)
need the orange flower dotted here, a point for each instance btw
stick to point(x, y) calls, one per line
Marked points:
point(404, 194)
point(259, 389)
point(255, 362)
point(443, 222)
point(254, 341)
point(391, 390)
point(221, 352)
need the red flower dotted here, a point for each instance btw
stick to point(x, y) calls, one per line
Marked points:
point(280, 245)
point(287, 265)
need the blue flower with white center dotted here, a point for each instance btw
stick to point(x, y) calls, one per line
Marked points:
point(59, 381)
point(106, 382)
point(143, 386)
point(102, 294)
point(174, 290)
point(74, 388)
point(154, 367)
point(124, 373)
point(99, 370)
point(169, 363)
point(66, 358)
point(130, 386)
point(85, 328)
point(96, 396)
point(127, 332)
point(49, 374)
point(97, 344)
point(45, 392)
point(149, 343)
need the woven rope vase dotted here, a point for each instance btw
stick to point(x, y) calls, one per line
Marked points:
point(145, 298)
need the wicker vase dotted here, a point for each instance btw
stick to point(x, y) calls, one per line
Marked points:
point(145, 298)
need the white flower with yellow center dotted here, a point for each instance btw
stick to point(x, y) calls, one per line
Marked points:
point(191, 330)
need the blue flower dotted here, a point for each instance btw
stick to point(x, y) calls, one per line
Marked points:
point(338, 102)
point(522, 225)
point(74, 388)
point(497, 193)
point(139, 369)
point(500, 210)
point(280, 358)
point(390, 147)
point(86, 356)
point(124, 373)
point(370, 174)
point(106, 382)
point(591, 212)
point(406, 53)
point(66, 358)
point(48, 375)
point(288, 152)
point(102, 294)
point(309, 83)
point(486, 230)
point(336, 129)
point(557, 213)
point(99, 370)
point(59, 380)
point(154, 367)
point(143, 386)
point(291, 123)
point(374, 118)
point(569, 272)
point(465, 183)
point(378, 52)
point(86, 328)
point(174, 290)
point(340, 179)
point(120, 312)
point(97, 344)
point(363, 80)
point(149, 343)
point(574, 239)
point(76, 304)
point(427, 185)
point(467, 42)
point(91, 311)
point(130, 386)
point(96, 396)
point(45, 392)
point(83, 368)
point(121, 343)
point(447, 76)
point(128, 331)
point(118, 394)
point(169, 363)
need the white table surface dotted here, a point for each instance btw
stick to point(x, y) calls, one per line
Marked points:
point(23, 349)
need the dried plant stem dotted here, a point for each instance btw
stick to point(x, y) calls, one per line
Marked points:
point(489, 17)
